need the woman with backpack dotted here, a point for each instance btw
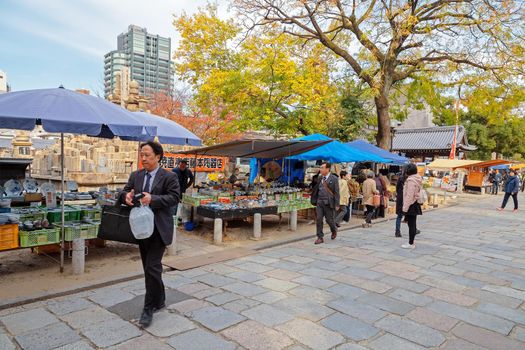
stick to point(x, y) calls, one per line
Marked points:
point(411, 205)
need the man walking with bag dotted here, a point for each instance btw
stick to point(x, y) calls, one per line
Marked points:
point(325, 196)
point(160, 190)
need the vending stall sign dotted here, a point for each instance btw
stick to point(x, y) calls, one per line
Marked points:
point(197, 163)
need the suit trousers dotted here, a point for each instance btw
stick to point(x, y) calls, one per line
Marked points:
point(151, 252)
point(325, 211)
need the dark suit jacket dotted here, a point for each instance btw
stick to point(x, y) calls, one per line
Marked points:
point(165, 194)
point(333, 185)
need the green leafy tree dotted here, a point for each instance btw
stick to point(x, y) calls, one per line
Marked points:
point(389, 42)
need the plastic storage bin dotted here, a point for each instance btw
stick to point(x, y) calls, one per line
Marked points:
point(39, 237)
point(8, 236)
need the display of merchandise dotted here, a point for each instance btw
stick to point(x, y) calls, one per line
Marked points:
point(30, 185)
point(13, 188)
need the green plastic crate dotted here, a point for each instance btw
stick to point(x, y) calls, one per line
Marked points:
point(29, 214)
point(70, 214)
point(91, 213)
point(39, 237)
point(74, 230)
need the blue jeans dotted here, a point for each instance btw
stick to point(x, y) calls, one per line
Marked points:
point(398, 222)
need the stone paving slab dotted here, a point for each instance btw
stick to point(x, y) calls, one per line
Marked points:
point(490, 340)
point(311, 334)
point(69, 305)
point(412, 331)
point(358, 310)
point(28, 320)
point(49, 337)
point(108, 297)
point(216, 318)
point(432, 319)
point(146, 341)
point(268, 315)
point(132, 309)
point(304, 308)
point(199, 339)
point(166, 324)
point(349, 327)
point(254, 336)
point(473, 317)
point(110, 332)
point(6, 343)
point(391, 342)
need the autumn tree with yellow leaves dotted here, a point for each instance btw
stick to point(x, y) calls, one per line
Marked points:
point(389, 42)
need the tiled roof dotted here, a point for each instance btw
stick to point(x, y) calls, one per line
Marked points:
point(434, 138)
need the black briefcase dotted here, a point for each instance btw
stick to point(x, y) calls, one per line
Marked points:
point(114, 225)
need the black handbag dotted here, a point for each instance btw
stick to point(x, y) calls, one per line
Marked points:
point(114, 225)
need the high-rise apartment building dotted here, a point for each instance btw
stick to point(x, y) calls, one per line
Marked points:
point(3, 82)
point(148, 58)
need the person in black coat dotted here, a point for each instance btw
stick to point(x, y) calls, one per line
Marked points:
point(512, 187)
point(399, 202)
point(161, 192)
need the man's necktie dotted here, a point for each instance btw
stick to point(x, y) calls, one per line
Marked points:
point(147, 185)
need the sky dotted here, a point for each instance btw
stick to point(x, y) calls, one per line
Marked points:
point(46, 44)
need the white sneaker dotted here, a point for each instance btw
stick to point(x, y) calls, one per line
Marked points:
point(408, 246)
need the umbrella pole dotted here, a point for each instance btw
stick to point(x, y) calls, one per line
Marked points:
point(62, 244)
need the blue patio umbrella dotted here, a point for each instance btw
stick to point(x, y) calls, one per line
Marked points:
point(168, 131)
point(64, 111)
point(335, 152)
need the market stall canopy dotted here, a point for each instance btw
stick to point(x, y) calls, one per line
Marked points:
point(365, 146)
point(518, 166)
point(65, 111)
point(449, 164)
point(336, 152)
point(258, 148)
point(488, 164)
point(168, 131)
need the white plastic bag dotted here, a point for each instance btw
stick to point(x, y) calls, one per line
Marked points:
point(423, 196)
point(141, 221)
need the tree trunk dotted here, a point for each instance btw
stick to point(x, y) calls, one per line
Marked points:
point(384, 137)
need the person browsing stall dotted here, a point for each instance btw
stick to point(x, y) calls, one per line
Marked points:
point(161, 191)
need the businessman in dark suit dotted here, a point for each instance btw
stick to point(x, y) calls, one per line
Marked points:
point(325, 196)
point(161, 192)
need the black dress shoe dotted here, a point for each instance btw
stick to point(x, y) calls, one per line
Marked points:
point(418, 232)
point(398, 234)
point(157, 309)
point(146, 318)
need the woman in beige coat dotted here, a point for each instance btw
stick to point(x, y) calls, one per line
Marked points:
point(411, 206)
point(369, 190)
point(344, 196)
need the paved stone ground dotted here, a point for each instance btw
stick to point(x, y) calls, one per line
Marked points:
point(462, 288)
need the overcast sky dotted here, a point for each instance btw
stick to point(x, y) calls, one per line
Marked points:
point(48, 43)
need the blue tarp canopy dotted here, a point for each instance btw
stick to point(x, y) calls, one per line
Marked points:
point(365, 146)
point(65, 111)
point(168, 131)
point(500, 167)
point(336, 152)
